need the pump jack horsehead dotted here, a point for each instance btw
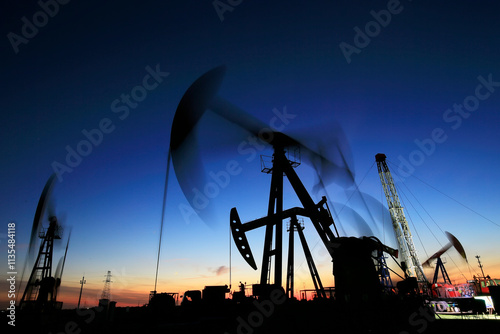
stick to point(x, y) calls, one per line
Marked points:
point(356, 277)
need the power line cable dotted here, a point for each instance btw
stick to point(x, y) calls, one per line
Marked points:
point(453, 199)
point(162, 215)
point(410, 219)
point(458, 268)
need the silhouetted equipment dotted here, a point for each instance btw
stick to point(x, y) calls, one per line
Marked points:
point(304, 293)
point(41, 289)
point(264, 291)
point(191, 297)
point(318, 213)
point(163, 301)
point(328, 160)
point(495, 297)
point(215, 294)
point(290, 269)
point(211, 295)
point(240, 296)
point(403, 235)
point(408, 286)
point(356, 277)
point(483, 284)
point(453, 242)
point(60, 266)
point(318, 286)
point(383, 272)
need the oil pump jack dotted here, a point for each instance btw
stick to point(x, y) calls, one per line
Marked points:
point(436, 288)
point(40, 293)
point(453, 242)
point(356, 277)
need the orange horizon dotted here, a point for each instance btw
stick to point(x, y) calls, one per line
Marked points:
point(132, 291)
point(69, 295)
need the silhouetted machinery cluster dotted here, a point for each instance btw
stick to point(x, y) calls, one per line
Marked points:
point(361, 274)
point(357, 276)
point(359, 267)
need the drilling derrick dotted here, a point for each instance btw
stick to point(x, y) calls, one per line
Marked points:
point(399, 223)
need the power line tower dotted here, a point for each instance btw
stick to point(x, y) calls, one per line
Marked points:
point(106, 290)
point(82, 282)
point(403, 235)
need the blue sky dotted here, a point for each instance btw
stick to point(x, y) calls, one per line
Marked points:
point(391, 94)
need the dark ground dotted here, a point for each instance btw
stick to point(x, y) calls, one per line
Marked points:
point(253, 318)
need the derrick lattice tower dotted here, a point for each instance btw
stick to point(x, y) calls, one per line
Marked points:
point(403, 235)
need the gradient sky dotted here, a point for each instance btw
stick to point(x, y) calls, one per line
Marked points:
point(396, 90)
